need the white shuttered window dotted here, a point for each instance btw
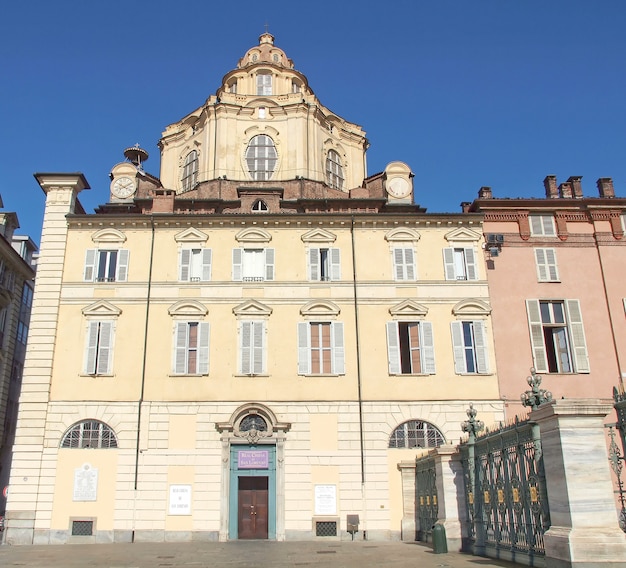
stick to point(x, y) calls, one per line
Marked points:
point(252, 348)
point(410, 348)
point(469, 343)
point(557, 336)
point(106, 265)
point(545, 259)
point(404, 263)
point(321, 348)
point(191, 348)
point(253, 265)
point(99, 348)
point(194, 265)
point(460, 263)
point(324, 264)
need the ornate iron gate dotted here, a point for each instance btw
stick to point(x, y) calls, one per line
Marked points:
point(617, 456)
point(426, 508)
point(505, 491)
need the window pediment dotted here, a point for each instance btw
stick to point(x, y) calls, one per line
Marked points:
point(472, 307)
point(402, 234)
point(318, 236)
point(108, 235)
point(408, 308)
point(101, 309)
point(232, 426)
point(253, 235)
point(188, 308)
point(252, 308)
point(191, 236)
point(320, 308)
point(463, 235)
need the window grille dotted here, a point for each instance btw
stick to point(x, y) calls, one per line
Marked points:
point(326, 528)
point(82, 528)
point(89, 434)
point(416, 434)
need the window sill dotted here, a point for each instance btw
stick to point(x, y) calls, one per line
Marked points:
point(321, 376)
point(178, 375)
point(416, 375)
point(97, 375)
point(251, 376)
point(548, 281)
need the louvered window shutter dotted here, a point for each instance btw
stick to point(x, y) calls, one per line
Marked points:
point(237, 264)
point(480, 346)
point(470, 264)
point(203, 348)
point(90, 265)
point(258, 356)
point(180, 348)
point(269, 264)
point(91, 348)
point(448, 261)
point(335, 264)
point(428, 347)
point(314, 264)
point(577, 334)
point(458, 347)
point(338, 348)
point(206, 264)
point(185, 265)
point(398, 263)
point(246, 347)
point(105, 350)
point(122, 265)
point(304, 348)
point(409, 263)
point(542, 269)
point(393, 348)
point(536, 336)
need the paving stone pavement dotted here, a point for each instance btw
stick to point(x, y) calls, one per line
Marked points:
point(240, 554)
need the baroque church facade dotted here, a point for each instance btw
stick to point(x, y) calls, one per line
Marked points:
point(249, 344)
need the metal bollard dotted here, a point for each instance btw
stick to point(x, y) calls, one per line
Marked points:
point(440, 544)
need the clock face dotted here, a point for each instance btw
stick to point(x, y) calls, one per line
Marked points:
point(123, 187)
point(398, 187)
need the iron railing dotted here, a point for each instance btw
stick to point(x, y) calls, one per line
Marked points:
point(426, 507)
point(617, 454)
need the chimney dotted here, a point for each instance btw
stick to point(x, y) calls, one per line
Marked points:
point(577, 186)
point(550, 184)
point(605, 187)
point(565, 190)
point(485, 193)
point(465, 206)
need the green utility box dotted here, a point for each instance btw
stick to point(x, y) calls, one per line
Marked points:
point(440, 544)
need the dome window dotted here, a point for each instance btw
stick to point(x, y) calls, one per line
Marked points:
point(334, 170)
point(261, 157)
point(259, 206)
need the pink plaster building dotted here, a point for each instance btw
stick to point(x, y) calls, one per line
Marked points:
point(556, 270)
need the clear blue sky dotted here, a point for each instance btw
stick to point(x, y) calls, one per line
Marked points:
point(468, 93)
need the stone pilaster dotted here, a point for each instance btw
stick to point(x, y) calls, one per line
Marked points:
point(451, 493)
point(407, 472)
point(26, 510)
point(584, 530)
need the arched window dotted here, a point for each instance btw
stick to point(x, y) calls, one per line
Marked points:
point(190, 171)
point(253, 422)
point(261, 157)
point(89, 434)
point(334, 171)
point(259, 205)
point(416, 434)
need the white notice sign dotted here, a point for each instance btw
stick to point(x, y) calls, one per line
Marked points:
point(85, 483)
point(325, 499)
point(180, 500)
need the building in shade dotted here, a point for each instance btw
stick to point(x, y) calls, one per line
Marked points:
point(557, 290)
point(17, 272)
point(247, 345)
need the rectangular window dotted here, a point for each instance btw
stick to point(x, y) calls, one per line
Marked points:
point(320, 348)
point(557, 336)
point(263, 84)
point(470, 347)
point(545, 259)
point(542, 225)
point(253, 265)
point(191, 353)
point(252, 348)
point(195, 265)
point(404, 263)
point(99, 349)
point(410, 348)
point(106, 265)
point(324, 264)
point(460, 263)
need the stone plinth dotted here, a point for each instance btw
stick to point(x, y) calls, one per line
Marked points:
point(584, 529)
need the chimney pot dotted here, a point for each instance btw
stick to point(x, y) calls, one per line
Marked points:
point(577, 186)
point(565, 190)
point(605, 187)
point(550, 184)
point(485, 192)
point(465, 206)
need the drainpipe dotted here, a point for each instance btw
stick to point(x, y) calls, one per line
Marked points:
point(358, 374)
point(608, 309)
point(143, 370)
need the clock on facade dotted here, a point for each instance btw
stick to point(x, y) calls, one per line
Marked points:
point(398, 187)
point(123, 187)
